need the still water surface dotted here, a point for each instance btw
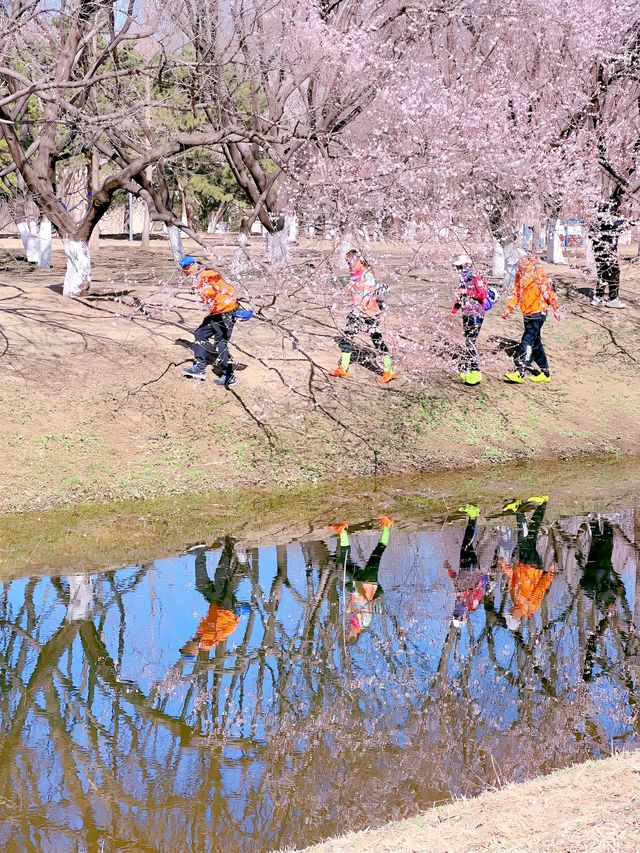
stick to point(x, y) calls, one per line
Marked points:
point(238, 698)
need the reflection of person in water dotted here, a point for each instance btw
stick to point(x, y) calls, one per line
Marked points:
point(528, 579)
point(224, 612)
point(470, 582)
point(600, 582)
point(362, 583)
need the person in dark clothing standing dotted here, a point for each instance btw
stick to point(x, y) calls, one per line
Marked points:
point(605, 235)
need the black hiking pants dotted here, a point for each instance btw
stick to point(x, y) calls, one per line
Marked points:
point(471, 358)
point(531, 348)
point(219, 327)
point(357, 322)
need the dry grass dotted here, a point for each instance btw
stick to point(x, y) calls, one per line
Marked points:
point(590, 808)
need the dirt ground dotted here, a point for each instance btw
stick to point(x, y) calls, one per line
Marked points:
point(591, 808)
point(93, 404)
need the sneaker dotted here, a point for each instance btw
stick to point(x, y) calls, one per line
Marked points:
point(340, 372)
point(386, 520)
point(512, 506)
point(474, 377)
point(231, 380)
point(514, 377)
point(597, 300)
point(386, 377)
point(615, 303)
point(540, 377)
point(538, 499)
point(195, 372)
point(338, 527)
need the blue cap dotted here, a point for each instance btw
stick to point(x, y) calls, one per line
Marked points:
point(186, 261)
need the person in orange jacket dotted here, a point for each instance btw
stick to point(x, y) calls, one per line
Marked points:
point(220, 300)
point(528, 579)
point(223, 616)
point(366, 312)
point(533, 293)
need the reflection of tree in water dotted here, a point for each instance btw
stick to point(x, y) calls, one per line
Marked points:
point(283, 732)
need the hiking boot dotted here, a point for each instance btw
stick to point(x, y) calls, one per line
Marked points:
point(226, 382)
point(474, 377)
point(386, 377)
point(615, 303)
point(340, 373)
point(515, 377)
point(471, 510)
point(540, 377)
point(195, 372)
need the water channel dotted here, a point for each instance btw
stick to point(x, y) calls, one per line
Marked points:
point(242, 697)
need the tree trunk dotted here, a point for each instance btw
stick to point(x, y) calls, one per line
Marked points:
point(292, 228)
point(175, 239)
point(28, 232)
point(44, 244)
point(277, 247)
point(555, 253)
point(94, 239)
point(241, 260)
point(497, 268)
point(77, 280)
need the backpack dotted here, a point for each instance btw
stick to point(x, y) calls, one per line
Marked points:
point(491, 298)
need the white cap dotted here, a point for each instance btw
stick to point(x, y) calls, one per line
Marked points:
point(463, 261)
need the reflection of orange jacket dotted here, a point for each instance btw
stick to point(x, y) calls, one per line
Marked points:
point(213, 290)
point(527, 585)
point(216, 626)
point(532, 289)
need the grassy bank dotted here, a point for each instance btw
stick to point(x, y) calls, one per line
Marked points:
point(591, 807)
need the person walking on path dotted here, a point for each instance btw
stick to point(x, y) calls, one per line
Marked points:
point(533, 293)
point(365, 315)
point(473, 299)
point(605, 234)
point(220, 300)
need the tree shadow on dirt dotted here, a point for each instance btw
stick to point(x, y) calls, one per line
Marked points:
point(506, 345)
point(212, 357)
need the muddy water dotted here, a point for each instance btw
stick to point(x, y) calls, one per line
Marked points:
point(241, 698)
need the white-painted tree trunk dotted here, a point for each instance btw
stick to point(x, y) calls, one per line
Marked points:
point(555, 253)
point(28, 232)
point(78, 276)
point(80, 598)
point(589, 257)
point(241, 260)
point(175, 239)
point(291, 227)
point(511, 255)
point(44, 244)
point(497, 267)
point(277, 247)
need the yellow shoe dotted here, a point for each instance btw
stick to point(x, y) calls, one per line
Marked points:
point(474, 377)
point(340, 373)
point(538, 499)
point(540, 377)
point(387, 376)
point(514, 377)
point(471, 510)
point(512, 506)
